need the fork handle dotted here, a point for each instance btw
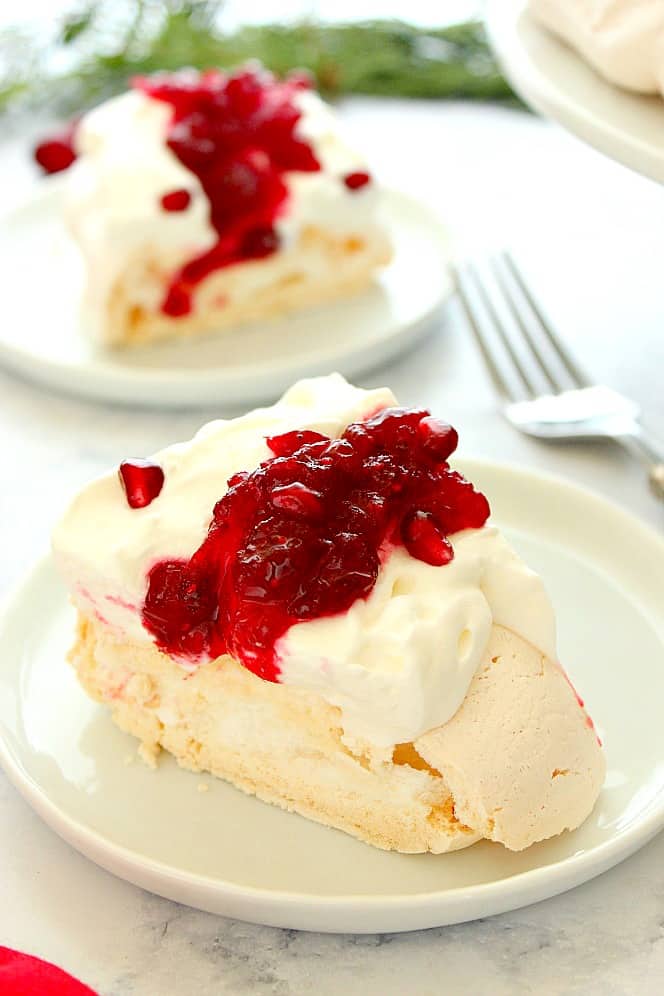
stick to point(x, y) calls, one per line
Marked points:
point(651, 452)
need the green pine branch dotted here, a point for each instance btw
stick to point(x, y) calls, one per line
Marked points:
point(384, 58)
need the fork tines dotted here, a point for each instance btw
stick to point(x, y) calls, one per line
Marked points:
point(523, 354)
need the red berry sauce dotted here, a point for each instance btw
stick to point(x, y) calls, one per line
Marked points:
point(355, 181)
point(303, 536)
point(142, 481)
point(236, 133)
point(56, 152)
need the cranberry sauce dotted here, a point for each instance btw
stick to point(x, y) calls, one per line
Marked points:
point(236, 133)
point(56, 152)
point(303, 535)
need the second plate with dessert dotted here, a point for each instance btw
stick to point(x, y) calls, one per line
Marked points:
point(41, 337)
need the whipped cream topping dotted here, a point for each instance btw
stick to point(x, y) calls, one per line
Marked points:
point(397, 663)
point(621, 39)
point(400, 662)
point(113, 194)
point(124, 168)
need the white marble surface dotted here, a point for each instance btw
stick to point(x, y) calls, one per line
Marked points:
point(590, 237)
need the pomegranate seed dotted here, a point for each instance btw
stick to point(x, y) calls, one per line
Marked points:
point(298, 499)
point(342, 454)
point(439, 439)
point(176, 200)
point(142, 481)
point(238, 478)
point(355, 181)
point(425, 540)
point(289, 442)
point(56, 152)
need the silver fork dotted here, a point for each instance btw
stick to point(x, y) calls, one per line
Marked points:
point(545, 393)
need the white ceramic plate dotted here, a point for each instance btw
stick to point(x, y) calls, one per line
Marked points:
point(41, 335)
point(556, 81)
point(225, 852)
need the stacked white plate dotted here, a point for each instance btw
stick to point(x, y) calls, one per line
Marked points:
point(555, 80)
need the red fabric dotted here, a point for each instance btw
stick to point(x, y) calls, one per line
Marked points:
point(23, 975)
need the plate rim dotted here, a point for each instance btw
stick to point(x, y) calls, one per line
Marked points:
point(392, 912)
point(538, 90)
point(115, 385)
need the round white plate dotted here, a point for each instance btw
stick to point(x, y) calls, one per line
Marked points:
point(41, 335)
point(231, 854)
point(556, 81)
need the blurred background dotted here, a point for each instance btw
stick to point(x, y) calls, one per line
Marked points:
point(424, 12)
point(64, 53)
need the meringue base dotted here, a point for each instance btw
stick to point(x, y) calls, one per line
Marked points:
point(273, 741)
point(319, 268)
point(287, 747)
